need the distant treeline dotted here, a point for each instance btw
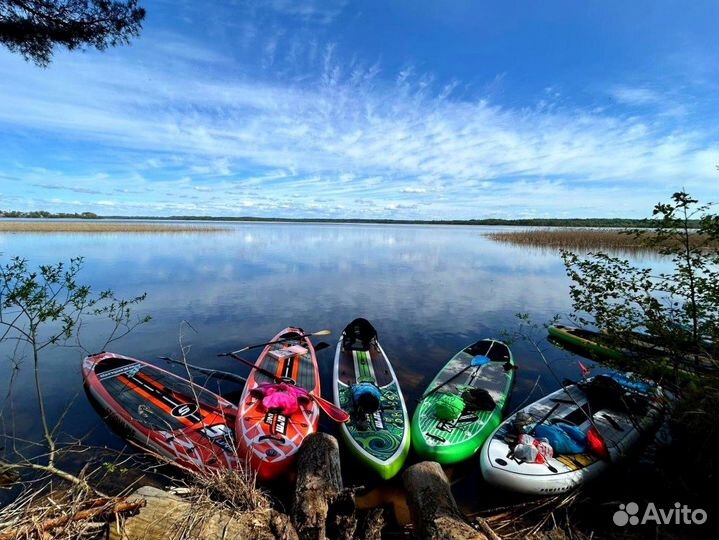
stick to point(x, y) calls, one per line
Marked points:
point(535, 222)
point(42, 214)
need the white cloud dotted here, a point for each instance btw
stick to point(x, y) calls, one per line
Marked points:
point(343, 133)
point(317, 11)
point(635, 95)
point(632, 96)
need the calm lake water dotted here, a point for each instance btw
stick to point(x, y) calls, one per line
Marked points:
point(428, 290)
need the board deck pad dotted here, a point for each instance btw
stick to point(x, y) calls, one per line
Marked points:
point(162, 412)
point(453, 441)
point(379, 439)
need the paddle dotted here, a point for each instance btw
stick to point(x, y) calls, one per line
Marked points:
point(321, 346)
point(477, 361)
point(318, 333)
point(333, 411)
point(217, 374)
point(544, 418)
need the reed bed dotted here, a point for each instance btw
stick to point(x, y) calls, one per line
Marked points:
point(542, 519)
point(580, 239)
point(45, 227)
point(233, 489)
point(213, 493)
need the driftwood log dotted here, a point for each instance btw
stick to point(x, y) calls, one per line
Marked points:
point(322, 508)
point(100, 509)
point(433, 509)
point(169, 517)
point(8, 475)
point(370, 527)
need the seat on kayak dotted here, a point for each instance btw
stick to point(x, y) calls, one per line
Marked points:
point(494, 350)
point(358, 335)
point(478, 399)
point(604, 392)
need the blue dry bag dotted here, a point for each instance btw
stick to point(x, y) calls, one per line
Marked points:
point(563, 438)
point(366, 397)
point(479, 360)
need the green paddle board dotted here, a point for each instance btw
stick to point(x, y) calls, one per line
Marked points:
point(587, 340)
point(365, 386)
point(464, 403)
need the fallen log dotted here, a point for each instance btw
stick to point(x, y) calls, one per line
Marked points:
point(433, 509)
point(8, 475)
point(168, 517)
point(370, 528)
point(487, 529)
point(100, 509)
point(322, 508)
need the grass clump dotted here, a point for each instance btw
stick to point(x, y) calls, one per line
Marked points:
point(233, 489)
point(584, 239)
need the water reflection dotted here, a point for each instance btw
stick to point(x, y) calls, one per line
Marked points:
point(428, 291)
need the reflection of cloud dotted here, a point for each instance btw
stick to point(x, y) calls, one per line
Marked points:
point(428, 290)
point(423, 271)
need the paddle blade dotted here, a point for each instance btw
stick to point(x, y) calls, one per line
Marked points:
point(333, 411)
point(321, 333)
point(479, 360)
point(322, 345)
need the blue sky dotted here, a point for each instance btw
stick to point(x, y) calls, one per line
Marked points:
point(373, 109)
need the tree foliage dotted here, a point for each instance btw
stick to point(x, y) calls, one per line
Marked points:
point(679, 307)
point(34, 27)
point(46, 307)
point(43, 214)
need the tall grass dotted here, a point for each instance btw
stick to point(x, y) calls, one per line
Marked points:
point(101, 227)
point(577, 239)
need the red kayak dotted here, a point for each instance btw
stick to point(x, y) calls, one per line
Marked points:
point(269, 436)
point(162, 413)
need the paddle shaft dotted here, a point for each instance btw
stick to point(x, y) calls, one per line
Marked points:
point(336, 413)
point(544, 418)
point(453, 377)
point(211, 372)
point(320, 333)
point(541, 421)
point(254, 366)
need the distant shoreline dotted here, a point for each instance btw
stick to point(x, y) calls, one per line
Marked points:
point(9, 217)
point(49, 226)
